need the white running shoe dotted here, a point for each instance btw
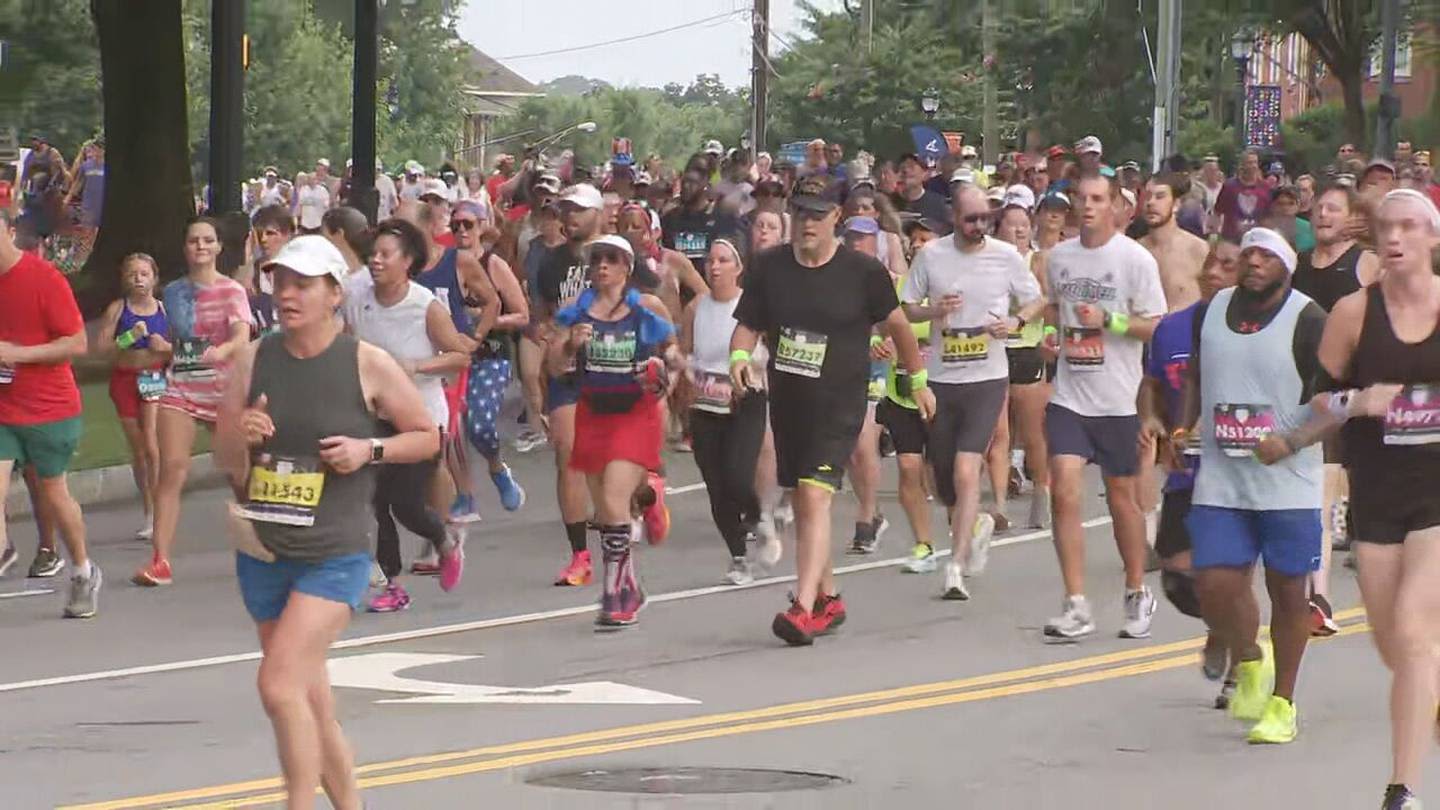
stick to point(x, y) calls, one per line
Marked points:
point(984, 532)
point(785, 512)
point(767, 547)
point(146, 530)
point(954, 582)
point(1139, 610)
point(739, 573)
point(922, 559)
point(1073, 623)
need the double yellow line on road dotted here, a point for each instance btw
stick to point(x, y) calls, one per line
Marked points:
point(1076, 672)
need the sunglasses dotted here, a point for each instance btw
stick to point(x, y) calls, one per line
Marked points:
point(976, 219)
point(609, 256)
point(458, 225)
point(807, 213)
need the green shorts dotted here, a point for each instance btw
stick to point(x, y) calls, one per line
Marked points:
point(47, 446)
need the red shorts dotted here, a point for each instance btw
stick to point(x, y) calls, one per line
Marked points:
point(125, 392)
point(601, 438)
point(455, 401)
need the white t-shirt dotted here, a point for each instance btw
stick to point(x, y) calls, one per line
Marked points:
point(399, 329)
point(1099, 371)
point(988, 279)
point(312, 204)
point(389, 198)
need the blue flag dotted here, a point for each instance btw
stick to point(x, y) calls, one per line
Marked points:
point(929, 143)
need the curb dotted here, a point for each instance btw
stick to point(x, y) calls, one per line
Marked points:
point(110, 484)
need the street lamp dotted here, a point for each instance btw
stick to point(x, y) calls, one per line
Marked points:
point(1242, 44)
point(930, 103)
point(583, 126)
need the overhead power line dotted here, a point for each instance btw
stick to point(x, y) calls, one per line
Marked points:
point(630, 38)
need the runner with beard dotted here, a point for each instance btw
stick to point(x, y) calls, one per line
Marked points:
point(1179, 253)
point(816, 304)
point(564, 275)
point(1106, 297)
point(1252, 373)
point(1337, 267)
point(695, 223)
point(1161, 410)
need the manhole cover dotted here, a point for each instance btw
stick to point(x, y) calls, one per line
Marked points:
point(688, 780)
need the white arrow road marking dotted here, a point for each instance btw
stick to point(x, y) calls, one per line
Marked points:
point(380, 671)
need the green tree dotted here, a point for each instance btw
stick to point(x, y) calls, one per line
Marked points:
point(51, 81)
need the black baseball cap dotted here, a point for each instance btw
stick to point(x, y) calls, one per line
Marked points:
point(911, 225)
point(810, 195)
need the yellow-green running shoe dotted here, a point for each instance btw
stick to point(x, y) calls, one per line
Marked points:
point(1254, 682)
point(1277, 724)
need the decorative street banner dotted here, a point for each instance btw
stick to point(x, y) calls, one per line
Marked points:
point(954, 140)
point(1262, 116)
point(792, 152)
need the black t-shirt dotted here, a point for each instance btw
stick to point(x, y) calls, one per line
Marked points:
point(817, 322)
point(563, 276)
point(929, 204)
point(691, 232)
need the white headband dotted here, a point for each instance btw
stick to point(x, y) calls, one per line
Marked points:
point(1431, 212)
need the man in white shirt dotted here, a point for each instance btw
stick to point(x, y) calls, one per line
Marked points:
point(1106, 297)
point(969, 280)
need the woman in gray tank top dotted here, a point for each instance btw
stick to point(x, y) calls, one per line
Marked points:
point(303, 476)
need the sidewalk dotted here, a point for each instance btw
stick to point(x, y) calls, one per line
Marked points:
point(109, 484)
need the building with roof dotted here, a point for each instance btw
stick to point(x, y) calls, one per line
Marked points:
point(497, 91)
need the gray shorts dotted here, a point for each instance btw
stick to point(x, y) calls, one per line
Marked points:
point(965, 418)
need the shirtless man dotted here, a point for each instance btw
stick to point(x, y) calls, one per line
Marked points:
point(1179, 253)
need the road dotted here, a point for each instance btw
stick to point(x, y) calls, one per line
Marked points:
point(916, 701)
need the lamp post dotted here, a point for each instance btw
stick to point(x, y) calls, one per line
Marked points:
point(1242, 43)
point(930, 103)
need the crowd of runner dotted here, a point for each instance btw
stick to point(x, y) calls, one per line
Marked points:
point(1248, 361)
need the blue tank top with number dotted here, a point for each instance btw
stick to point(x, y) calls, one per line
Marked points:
point(609, 362)
point(444, 280)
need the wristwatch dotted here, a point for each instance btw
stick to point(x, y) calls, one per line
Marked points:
point(377, 451)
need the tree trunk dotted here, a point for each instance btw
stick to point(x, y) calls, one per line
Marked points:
point(148, 190)
point(1351, 85)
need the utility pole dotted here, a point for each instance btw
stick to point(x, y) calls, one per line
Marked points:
point(227, 105)
point(989, 126)
point(1389, 111)
point(760, 75)
point(363, 195)
point(1167, 83)
point(867, 25)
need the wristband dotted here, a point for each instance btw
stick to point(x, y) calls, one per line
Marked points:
point(739, 356)
point(1050, 331)
point(918, 380)
point(1118, 323)
point(876, 340)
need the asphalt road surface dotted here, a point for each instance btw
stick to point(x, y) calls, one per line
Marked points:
point(469, 698)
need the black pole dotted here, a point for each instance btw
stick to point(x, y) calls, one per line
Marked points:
point(227, 105)
point(363, 195)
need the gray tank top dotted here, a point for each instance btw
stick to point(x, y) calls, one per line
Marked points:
point(309, 400)
point(1249, 386)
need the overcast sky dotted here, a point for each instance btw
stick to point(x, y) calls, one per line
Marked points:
point(514, 28)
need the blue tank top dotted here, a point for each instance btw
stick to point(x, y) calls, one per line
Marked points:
point(444, 281)
point(156, 324)
point(615, 352)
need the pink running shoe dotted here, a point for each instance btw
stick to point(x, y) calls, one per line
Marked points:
point(655, 514)
point(578, 572)
point(392, 599)
point(452, 558)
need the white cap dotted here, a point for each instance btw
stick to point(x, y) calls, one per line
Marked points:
point(414, 167)
point(1270, 242)
point(1129, 196)
point(995, 194)
point(968, 151)
point(585, 196)
point(642, 178)
point(612, 240)
point(1020, 196)
point(350, 162)
point(323, 162)
point(312, 256)
point(714, 147)
point(434, 187)
point(962, 175)
point(1089, 144)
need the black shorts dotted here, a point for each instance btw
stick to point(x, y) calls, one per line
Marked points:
point(965, 418)
point(1171, 536)
point(907, 430)
point(813, 441)
point(1108, 441)
point(1027, 367)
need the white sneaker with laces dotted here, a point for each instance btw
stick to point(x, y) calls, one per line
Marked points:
point(767, 546)
point(1139, 610)
point(984, 532)
point(954, 582)
point(1073, 623)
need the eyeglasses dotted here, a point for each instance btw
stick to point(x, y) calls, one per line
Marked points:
point(458, 225)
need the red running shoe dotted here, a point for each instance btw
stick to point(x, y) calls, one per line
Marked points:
point(1322, 622)
point(829, 614)
point(794, 626)
point(578, 572)
point(157, 572)
point(655, 513)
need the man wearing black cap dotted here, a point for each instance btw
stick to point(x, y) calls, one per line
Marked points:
point(913, 196)
point(816, 303)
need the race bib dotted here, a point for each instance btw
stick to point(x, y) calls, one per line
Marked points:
point(693, 245)
point(712, 392)
point(284, 490)
point(1084, 349)
point(7, 374)
point(1413, 417)
point(800, 353)
point(1239, 428)
point(186, 362)
point(611, 353)
point(151, 384)
point(964, 345)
